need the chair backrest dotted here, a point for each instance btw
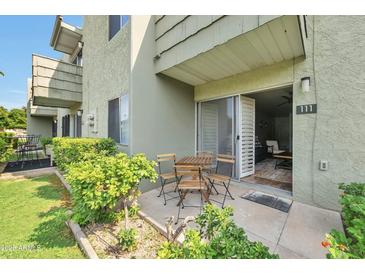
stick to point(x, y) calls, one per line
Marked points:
point(169, 159)
point(225, 164)
point(34, 140)
point(191, 171)
point(272, 143)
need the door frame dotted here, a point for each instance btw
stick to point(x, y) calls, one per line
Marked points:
point(236, 129)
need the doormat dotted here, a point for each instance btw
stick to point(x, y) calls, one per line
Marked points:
point(27, 165)
point(268, 200)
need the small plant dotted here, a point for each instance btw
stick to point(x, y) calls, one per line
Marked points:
point(218, 237)
point(128, 239)
point(350, 245)
point(46, 141)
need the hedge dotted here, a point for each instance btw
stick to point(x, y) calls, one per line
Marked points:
point(350, 245)
point(73, 150)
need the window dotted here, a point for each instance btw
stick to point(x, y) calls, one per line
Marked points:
point(124, 115)
point(66, 126)
point(116, 22)
point(78, 125)
point(78, 59)
point(114, 120)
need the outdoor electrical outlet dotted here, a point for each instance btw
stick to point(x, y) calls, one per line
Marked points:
point(323, 165)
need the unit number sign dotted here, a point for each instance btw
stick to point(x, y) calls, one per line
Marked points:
point(305, 109)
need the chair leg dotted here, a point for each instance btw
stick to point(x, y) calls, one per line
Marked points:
point(180, 205)
point(227, 188)
point(201, 201)
point(39, 161)
point(177, 183)
point(213, 186)
point(225, 194)
point(162, 190)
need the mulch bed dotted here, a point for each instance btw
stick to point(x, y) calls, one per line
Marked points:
point(103, 238)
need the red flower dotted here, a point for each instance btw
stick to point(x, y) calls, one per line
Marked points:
point(325, 244)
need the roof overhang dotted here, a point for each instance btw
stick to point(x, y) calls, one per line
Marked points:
point(275, 41)
point(65, 38)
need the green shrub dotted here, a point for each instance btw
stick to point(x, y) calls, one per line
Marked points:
point(350, 245)
point(6, 150)
point(7, 137)
point(74, 150)
point(46, 141)
point(218, 238)
point(100, 182)
point(128, 239)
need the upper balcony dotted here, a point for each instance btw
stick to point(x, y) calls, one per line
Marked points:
point(55, 83)
point(66, 38)
point(198, 49)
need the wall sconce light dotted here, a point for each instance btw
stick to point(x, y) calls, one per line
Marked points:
point(305, 84)
point(79, 113)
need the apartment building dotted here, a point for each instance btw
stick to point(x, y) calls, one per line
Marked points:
point(284, 94)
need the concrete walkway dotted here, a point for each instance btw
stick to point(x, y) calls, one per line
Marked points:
point(297, 234)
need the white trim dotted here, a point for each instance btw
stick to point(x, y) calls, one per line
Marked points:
point(237, 93)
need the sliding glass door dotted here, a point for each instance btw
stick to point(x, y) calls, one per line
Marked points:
point(216, 122)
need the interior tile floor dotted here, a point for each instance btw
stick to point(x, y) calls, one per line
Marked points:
point(296, 234)
point(266, 174)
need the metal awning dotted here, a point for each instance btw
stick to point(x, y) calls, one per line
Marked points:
point(273, 42)
point(65, 38)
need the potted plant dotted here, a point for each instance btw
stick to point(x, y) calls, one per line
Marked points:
point(6, 151)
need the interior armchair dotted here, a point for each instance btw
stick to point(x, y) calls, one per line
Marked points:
point(273, 147)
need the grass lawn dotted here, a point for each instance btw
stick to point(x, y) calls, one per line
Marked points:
point(32, 219)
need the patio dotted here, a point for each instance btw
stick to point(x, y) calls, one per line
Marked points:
point(293, 235)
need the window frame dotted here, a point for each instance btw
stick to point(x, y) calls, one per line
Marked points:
point(125, 112)
point(120, 20)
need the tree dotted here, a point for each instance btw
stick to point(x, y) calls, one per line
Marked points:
point(4, 118)
point(17, 118)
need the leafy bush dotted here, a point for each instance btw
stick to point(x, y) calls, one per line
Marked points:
point(218, 238)
point(128, 239)
point(350, 245)
point(74, 150)
point(7, 137)
point(6, 150)
point(99, 183)
point(46, 141)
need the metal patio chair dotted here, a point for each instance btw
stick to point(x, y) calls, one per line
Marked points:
point(167, 177)
point(191, 180)
point(27, 146)
point(222, 176)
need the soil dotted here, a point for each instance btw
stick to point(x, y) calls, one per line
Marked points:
point(103, 238)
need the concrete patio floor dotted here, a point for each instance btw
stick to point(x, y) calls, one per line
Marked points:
point(294, 235)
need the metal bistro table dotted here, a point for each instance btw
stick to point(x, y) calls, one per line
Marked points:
point(199, 160)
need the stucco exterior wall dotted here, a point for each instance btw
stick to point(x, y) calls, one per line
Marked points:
point(39, 125)
point(334, 61)
point(162, 109)
point(106, 71)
